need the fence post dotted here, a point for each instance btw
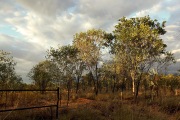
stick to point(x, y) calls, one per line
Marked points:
point(51, 113)
point(57, 109)
point(60, 97)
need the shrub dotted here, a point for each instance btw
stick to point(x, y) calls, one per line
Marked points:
point(170, 105)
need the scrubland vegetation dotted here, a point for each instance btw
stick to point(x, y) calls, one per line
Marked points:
point(104, 106)
point(129, 82)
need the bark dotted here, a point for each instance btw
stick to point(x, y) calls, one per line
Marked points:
point(137, 86)
point(114, 77)
point(137, 89)
point(77, 86)
point(94, 83)
point(97, 81)
point(107, 88)
point(114, 84)
point(69, 89)
point(176, 92)
point(133, 82)
point(121, 95)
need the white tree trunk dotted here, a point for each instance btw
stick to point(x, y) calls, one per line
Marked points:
point(133, 81)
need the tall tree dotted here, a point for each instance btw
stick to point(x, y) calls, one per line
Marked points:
point(90, 44)
point(138, 40)
point(8, 76)
point(42, 74)
point(69, 64)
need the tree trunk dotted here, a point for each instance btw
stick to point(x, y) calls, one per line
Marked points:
point(133, 86)
point(97, 81)
point(176, 92)
point(121, 95)
point(137, 86)
point(77, 86)
point(133, 82)
point(69, 89)
point(107, 88)
point(94, 82)
point(83, 85)
point(114, 84)
point(122, 89)
point(137, 89)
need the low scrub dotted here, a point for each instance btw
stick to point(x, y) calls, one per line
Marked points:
point(170, 104)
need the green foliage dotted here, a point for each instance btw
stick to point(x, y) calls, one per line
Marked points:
point(67, 61)
point(105, 110)
point(69, 65)
point(139, 39)
point(90, 44)
point(171, 81)
point(42, 74)
point(137, 46)
point(8, 76)
point(170, 105)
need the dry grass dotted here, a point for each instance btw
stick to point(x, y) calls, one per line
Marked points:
point(13, 100)
point(87, 106)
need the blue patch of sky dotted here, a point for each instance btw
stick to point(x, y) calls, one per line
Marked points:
point(169, 0)
point(9, 30)
point(71, 9)
point(20, 8)
point(160, 16)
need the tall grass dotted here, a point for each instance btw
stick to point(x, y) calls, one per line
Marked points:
point(105, 106)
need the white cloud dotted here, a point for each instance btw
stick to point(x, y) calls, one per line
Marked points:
point(156, 8)
point(45, 23)
point(47, 7)
point(26, 54)
point(112, 9)
point(176, 51)
point(168, 11)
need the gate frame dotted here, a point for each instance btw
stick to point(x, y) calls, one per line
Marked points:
point(25, 108)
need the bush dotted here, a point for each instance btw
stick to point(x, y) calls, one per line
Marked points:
point(91, 96)
point(81, 114)
point(170, 105)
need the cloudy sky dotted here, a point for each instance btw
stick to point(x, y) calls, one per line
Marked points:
point(29, 27)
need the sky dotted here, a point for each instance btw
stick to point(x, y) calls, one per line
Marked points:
point(28, 28)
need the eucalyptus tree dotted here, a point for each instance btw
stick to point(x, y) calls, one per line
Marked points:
point(138, 41)
point(8, 76)
point(63, 57)
point(42, 74)
point(70, 66)
point(170, 82)
point(163, 62)
point(90, 44)
point(78, 71)
point(110, 75)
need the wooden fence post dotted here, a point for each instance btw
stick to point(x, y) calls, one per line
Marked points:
point(57, 107)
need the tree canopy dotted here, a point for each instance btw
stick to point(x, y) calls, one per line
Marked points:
point(42, 74)
point(8, 76)
point(138, 41)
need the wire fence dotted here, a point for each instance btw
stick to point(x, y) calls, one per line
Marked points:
point(56, 105)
